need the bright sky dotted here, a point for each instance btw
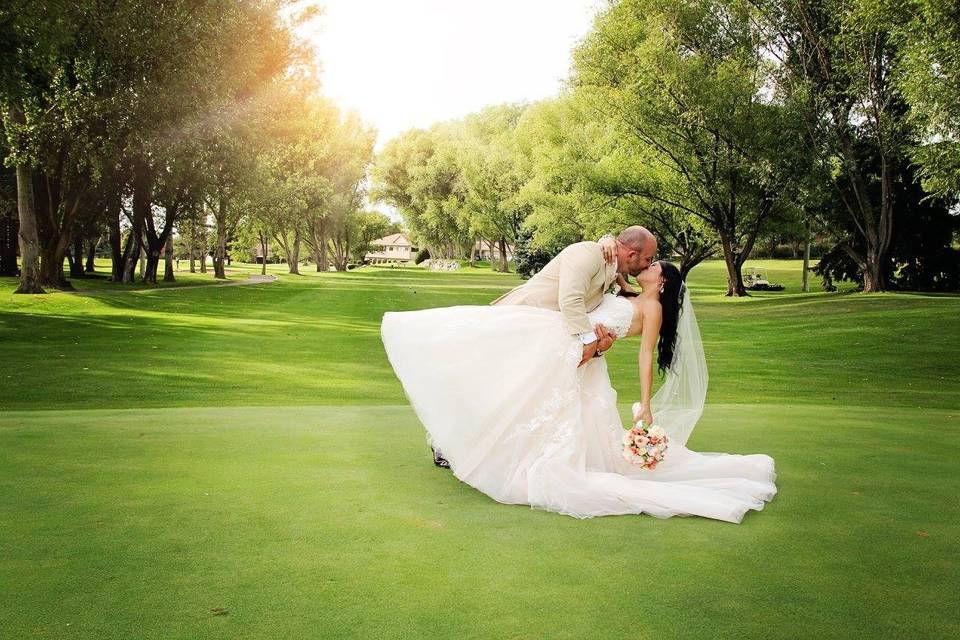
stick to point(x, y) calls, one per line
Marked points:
point(410, 63)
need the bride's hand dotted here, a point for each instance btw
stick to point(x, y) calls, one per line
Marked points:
point(624, 285)
point(608, 244)
point(642, 414)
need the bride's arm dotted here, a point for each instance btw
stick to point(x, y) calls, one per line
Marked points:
point(625, 288)
point(648, 342)
point(608, 245)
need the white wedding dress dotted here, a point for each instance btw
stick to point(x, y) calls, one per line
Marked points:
point(500, 394)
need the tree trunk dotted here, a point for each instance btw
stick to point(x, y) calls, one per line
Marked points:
point(91, 265)
point(27, 236)
point(76, 256)
point(295, 253)
point(316, 247)
point(157, 244)
point(193, 245)
point(55, 241)
point(263, 249)
point(55, 221)
point(503, 255)
point(806, 258)
point(324, 261)
point(142, 188)
point(735, 286)
point(876, 232)
point(117, 253)
point(734, 273)
point(687, 263)
point(149, 266)
point(52, 254)
point(872, 267)
point(220, 255)
point(168, 259)
point(290, 249)
point(874, 279)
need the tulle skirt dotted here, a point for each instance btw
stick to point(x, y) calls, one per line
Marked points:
point(500, 394)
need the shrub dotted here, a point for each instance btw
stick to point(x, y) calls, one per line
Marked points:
point(528, 260)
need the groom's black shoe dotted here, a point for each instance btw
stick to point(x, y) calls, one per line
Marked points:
point(439, 460)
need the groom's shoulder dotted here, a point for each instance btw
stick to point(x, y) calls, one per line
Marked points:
point(586, 250)
point(581, 247)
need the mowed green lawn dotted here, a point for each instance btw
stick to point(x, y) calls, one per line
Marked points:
point(240, 462)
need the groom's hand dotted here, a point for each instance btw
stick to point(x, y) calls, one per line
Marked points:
point(604, 343)
point(605, 338)
point(588, 351)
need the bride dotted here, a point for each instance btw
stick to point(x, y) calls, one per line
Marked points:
point(501, 394)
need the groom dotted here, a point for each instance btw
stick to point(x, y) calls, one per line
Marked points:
point(574, 282)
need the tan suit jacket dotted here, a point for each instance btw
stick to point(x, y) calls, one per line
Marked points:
point(572, 283)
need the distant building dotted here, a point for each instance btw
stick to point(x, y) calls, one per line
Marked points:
point(256, 252)
point(393, 248)
point(491, 250)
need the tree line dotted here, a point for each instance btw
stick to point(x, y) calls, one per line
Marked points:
point(718, 124)
point(127, 121)
point(722, 125)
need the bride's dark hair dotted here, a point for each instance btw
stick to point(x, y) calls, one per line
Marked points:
point(671, 300)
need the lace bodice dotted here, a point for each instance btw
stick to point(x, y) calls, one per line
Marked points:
point(615, 313)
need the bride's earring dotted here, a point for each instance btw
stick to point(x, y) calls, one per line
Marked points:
point(661, 286)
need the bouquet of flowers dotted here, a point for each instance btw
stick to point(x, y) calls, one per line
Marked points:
point(645, 446)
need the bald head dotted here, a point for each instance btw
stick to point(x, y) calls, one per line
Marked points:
point(636, 247)
point(637, 237)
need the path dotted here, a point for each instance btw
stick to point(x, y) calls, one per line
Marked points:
point(253, 279)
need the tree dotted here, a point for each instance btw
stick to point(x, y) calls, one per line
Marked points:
point(921, 255)
point(492, 176)
point(99, 96)
point(837, 63)
point(30, 36)
point(419, 173)
point(351, 151)
point(928, 74)
point(256, 227)
point(587, 179)
point(529, 259)
point(367, 227)
point(686, 82)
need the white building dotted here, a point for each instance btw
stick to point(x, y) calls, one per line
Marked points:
point(487, 250)
point(393, 248)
